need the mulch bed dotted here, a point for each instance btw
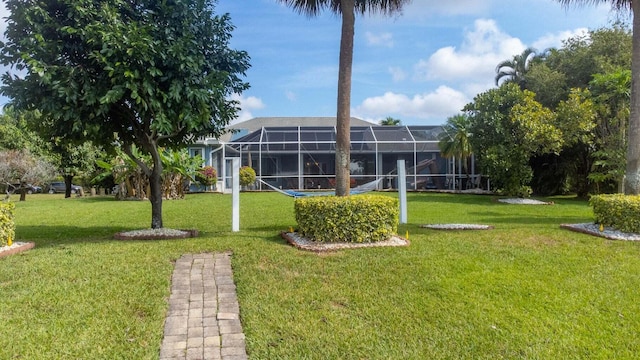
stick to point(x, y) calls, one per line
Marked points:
point(303, 243)
point(170, 235)
point(607, 232)
point(457, 226)
point(17, 249)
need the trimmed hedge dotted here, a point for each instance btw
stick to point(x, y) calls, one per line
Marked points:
point(621, 212)
point(361, 218)
point(7, 223)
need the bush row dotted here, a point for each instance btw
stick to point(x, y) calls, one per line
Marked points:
point(7, 223)
point(621, 212)
point(362, 218)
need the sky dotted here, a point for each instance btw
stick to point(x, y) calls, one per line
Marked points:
point(421, 66)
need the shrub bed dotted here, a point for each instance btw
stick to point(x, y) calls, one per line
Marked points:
point(362, 218)
point(7, 223)
point(621, 212)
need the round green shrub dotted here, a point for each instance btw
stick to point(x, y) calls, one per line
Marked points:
point(247, 176)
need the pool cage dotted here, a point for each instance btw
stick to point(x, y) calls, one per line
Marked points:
point(296, 157)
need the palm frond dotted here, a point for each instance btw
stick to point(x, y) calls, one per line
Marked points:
point(616, 4)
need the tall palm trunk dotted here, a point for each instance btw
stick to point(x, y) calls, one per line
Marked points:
point(343, 135)
point(632, 176)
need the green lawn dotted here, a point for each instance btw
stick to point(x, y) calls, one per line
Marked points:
point(524, 290)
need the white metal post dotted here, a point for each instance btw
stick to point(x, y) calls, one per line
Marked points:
point(402, 191)
point(235, 194)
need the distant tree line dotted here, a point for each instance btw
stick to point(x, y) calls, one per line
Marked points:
point(558, 121)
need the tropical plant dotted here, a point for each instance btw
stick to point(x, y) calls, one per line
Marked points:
point(632, 172)
point(455, 140)
point(179, 169)
point(132, 182)
point(390, 121)
point(154, 73)
point(347, 9)
point(514, 70)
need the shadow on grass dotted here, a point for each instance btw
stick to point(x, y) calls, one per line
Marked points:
point(64, 234)
point(467, 199)
point(496, 218)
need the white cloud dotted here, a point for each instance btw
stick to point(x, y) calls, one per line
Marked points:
point(437, 105)
point(550, 40)
point(483, 47)
point(384, 39)
point(397, 74)
point(247, 104)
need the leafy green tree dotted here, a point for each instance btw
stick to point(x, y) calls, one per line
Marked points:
point(455, 140)
point(508, 127)
point(74, 160)
point(153, 73)
point(610, 95)
point(549, 85)
point(632, 169)
point(16, 133)
point(597, 52)
point(347, 9)
point(576, 118)
point(390, 121)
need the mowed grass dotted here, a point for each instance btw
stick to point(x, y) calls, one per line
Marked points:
point(524, 290)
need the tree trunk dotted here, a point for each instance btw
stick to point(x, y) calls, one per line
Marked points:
point(68, 180)
point(632, 176)
point(155, 191)
point(343, 135)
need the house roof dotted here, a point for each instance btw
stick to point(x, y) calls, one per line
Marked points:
point(249, 126)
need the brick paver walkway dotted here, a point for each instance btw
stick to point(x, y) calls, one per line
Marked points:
point(203, 321)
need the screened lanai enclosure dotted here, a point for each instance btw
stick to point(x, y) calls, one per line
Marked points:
point(303, 157)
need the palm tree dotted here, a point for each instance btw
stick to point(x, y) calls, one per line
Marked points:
point(389, 121)
point(455, 139)
point(632, 173)
point(514, 70)
point(347, 9)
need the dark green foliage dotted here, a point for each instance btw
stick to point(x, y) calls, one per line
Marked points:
point(363, 218)
point(619, 211)
point(509, 127)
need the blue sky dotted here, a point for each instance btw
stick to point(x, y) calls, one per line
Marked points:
point(421, 66)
